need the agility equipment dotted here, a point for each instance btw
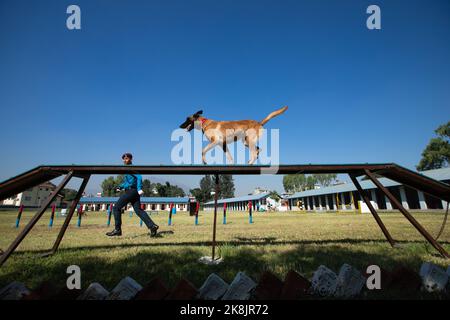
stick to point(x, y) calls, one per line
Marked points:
point(391, 171)
point(80, 214)
point(52, 216)
point(224, 213)
point(170, 214)
point(197, 207)
point(109, 212)
point(19, 215)
point(250, 216)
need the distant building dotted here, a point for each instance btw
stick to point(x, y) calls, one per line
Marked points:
point(149, 203)
point(344, 196)
point(33, 197)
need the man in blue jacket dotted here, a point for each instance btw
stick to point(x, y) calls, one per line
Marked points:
point(132, 184)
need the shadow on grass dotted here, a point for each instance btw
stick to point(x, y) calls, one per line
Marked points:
point(240, 241)
point(145, 265)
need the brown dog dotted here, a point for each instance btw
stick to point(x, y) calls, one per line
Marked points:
point(221, 133)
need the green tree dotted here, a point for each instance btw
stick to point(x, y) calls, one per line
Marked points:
point(203, 193)
point(168, 190)
point(437, 153)
point(325, 179)
point(274, 195)
point(110, 184)
point(147, 187)
point(226, 189)
point(298, 182)
point(68, 194)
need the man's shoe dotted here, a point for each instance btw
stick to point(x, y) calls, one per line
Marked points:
point(114, 233)
point(154, 230)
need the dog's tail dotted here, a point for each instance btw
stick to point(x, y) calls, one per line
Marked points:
point(273, 115)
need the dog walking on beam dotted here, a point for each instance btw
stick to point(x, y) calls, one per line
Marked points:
point(221, 133)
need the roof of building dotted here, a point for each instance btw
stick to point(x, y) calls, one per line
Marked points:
point(437, 174)
point(243, 198)
point(143, 199)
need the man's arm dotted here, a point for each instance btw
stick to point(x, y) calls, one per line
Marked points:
point(139, 184)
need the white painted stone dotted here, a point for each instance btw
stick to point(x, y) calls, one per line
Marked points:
point(14, 291)
point(349, 282)
point(324, 281)
point(126, 289)
point(213, 288)
point(209, 261)
point(240, 288)
point(433, 278)
point(95, 291)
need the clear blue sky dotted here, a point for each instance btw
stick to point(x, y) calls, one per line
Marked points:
point(138, 68)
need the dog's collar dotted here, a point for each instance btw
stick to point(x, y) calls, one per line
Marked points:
point(203, 120)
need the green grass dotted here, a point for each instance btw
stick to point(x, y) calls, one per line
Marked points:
point(276, 242)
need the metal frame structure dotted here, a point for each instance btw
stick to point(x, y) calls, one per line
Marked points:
point(392, 171)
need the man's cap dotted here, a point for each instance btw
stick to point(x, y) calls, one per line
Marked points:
point(129, 155)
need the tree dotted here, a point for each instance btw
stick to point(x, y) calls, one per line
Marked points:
point(147, 187)
point(68, 194)
point(437, 153)
point(274, 195)
point(168, 190)
point(203, 193)
point(298, 182)
point(109, 186)
point(325, 179)
point(226, 186)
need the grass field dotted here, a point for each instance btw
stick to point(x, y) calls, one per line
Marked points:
point(276, 242)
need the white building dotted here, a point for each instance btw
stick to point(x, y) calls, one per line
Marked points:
point(33, 197)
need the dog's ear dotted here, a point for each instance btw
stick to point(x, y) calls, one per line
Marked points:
point(199, 112)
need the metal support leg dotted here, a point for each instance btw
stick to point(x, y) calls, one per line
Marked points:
point(68, 217)
point(407, 215)
point(215, 217)
point(35, 219)
point(372, 210)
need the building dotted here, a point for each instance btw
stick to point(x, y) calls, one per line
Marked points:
point(34, 197)
point(241, 203)
point(346, 197)
point(149, 203)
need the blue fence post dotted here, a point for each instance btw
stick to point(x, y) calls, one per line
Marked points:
point(19, 215)
point(250, 217)
point(224, 213)
point(170, 214)
point(52, 216)
point(80, 213)
point(108, 222)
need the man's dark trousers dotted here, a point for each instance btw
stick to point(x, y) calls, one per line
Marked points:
point(130, 196)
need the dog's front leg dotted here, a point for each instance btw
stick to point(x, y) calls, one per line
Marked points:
point(227, 153)
point(206, 149)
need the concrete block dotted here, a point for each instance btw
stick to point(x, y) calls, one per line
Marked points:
point(269, 287)
point(154, 290)
point(434, 279)
point(324, 281)
point(241, 288)
point(14, 291)
point(349, 282)
point(184, 290)
point(213, 288)
point(126, 289)
point(295, 286)
point(95, 291)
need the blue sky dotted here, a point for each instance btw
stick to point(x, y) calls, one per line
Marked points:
point(136, 69)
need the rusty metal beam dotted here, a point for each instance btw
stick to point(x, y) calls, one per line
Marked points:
point(407, 215)
point(366, 199)
point(35, 219)
point(68, 217)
